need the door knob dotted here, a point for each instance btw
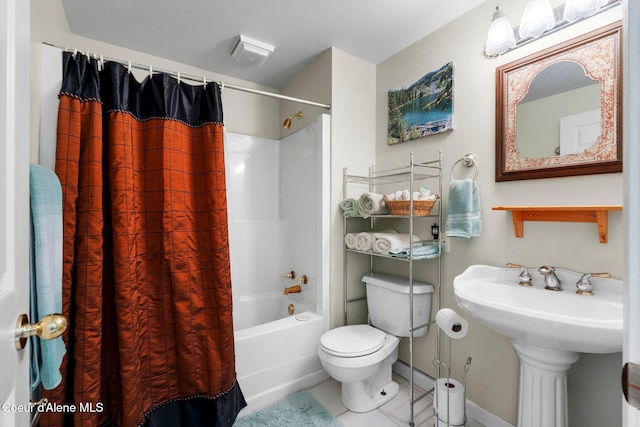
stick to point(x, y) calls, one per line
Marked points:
point(48, 328)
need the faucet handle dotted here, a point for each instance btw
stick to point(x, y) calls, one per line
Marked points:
point(584, 285)
point(290, 275)
point(524, 276)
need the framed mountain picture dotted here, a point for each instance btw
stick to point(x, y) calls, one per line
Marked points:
point(421, 108)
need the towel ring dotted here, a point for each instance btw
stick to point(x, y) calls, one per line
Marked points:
point(468, 160)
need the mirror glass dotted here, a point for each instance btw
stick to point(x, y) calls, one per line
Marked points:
point(558, 112)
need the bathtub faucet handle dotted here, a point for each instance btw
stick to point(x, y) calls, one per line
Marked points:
point(290, 275)
point(303, 280)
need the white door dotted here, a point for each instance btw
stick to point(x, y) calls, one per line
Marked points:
point(631, 149)
point(14, 208)
point(579, 131)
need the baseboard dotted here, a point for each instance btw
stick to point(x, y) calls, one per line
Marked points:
point(474, 411)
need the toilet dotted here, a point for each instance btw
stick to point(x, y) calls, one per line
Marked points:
point(361, 356)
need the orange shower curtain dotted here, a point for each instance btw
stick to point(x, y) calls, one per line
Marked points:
point(146, 276)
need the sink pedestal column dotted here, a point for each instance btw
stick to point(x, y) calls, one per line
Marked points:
point(542, 394)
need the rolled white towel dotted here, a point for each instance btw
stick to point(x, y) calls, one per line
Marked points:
point(391, 197)
point(350, 240)
point(406, 195)
point(398, 195)
point(364, 241)
point(372, 204)
point(349, 208)
point(385, 242)
point(424, 193)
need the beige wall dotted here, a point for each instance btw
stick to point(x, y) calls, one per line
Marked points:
point(352, 145)
point(493, 377)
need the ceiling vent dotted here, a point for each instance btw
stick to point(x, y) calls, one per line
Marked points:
point(251, 52)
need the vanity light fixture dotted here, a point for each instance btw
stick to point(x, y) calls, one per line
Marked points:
point(575, 10)
point(538, 19)
point(501, 37)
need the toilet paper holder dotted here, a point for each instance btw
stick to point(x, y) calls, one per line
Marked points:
point(438, 364)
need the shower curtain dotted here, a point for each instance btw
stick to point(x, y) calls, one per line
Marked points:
point(146, 276)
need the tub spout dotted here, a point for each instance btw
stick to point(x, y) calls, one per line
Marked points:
point(292, 290)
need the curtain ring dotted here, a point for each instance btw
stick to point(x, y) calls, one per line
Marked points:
point(178, 76)
point(204, 82)
point(150, 72)
point(129, 67)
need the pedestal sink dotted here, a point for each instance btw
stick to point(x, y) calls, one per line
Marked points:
point(548, 330)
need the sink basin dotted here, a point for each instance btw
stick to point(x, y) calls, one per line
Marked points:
point(550, 319)
point(548, 330)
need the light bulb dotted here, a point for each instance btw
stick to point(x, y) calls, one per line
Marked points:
point(500, 37)
point(575, 10)
point(537, 18)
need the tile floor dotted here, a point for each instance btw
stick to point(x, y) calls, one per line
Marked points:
point(392, 414)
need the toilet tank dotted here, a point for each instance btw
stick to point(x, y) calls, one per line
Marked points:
point(388, 303)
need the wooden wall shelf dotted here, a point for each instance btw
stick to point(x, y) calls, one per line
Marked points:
point(597, 214)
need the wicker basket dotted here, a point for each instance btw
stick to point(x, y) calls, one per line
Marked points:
point(420, 207)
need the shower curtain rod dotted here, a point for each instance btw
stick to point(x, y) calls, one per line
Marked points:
point(181, 76)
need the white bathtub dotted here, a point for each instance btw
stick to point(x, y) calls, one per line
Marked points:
point(279, 357)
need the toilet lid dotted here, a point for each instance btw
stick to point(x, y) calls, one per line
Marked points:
point(352, 340)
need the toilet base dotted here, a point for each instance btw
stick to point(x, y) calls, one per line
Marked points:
point(360, 397)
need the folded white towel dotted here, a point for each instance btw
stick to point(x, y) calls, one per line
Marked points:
point(385, 242)
point(364, 241)
point(350, 240)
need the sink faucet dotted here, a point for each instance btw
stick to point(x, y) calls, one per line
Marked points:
point(524, 276)
point(550, 279)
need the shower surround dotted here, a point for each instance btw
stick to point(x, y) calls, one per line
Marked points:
point(278, 192)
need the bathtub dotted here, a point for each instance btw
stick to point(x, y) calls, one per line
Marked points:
point(276, 353)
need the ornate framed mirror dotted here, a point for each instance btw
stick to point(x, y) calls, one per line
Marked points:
point(559, 111)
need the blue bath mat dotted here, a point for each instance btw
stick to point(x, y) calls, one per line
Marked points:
point(297, 410)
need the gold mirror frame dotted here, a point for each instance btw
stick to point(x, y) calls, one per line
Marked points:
point(599, 54)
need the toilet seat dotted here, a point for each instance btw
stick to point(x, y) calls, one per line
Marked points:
point(352, 341)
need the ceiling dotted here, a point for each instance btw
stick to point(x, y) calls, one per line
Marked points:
point(203, 33)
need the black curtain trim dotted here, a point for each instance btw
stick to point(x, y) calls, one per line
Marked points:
point(196, 411)
point(157, 97)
